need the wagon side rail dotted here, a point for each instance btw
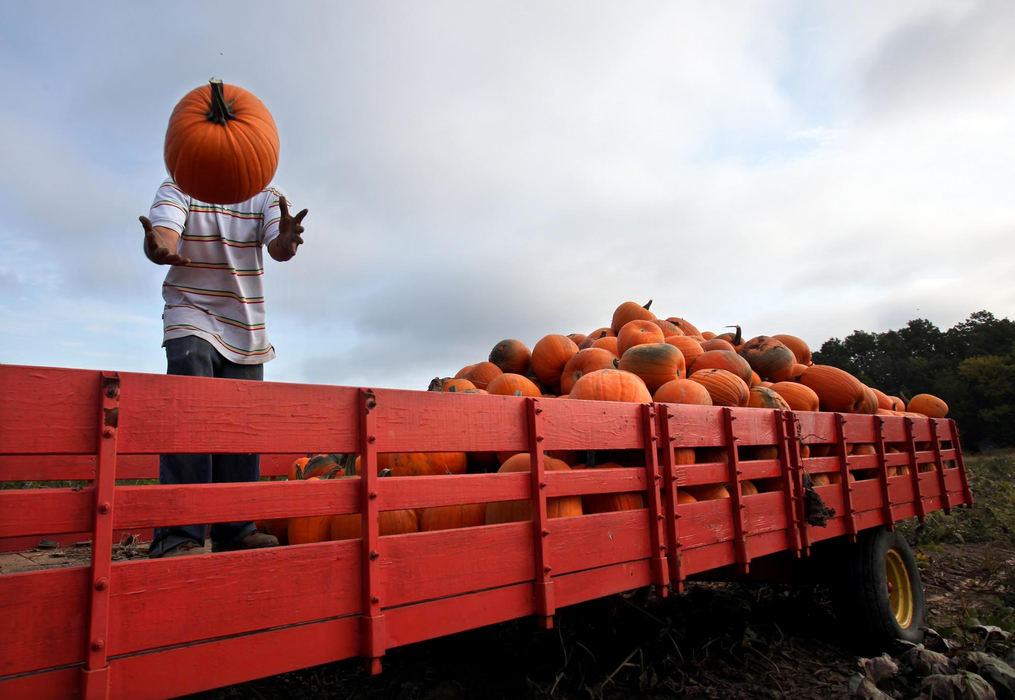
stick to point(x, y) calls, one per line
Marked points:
point(122, 629)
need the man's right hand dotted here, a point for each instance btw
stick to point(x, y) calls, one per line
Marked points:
point(160, 244)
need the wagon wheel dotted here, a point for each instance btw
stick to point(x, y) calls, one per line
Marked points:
point(881, 596)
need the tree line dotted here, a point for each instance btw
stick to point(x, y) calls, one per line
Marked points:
point(970, 366)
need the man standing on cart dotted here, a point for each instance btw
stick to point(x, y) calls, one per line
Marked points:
point(214, 326)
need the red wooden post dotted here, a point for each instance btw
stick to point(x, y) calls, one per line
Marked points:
point(847, 485)
point(939, 466)
point(886, 498)
point(543, 584)
point(736, 495)
point(791, 464)
point(967, 494)
point(95, 675)
point(372, 639)
point(660, 574)
point(914, 471)
point(672, 529)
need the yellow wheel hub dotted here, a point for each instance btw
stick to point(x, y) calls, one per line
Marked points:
point(900, 589)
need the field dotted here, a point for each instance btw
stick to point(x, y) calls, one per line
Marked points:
point(714, 641)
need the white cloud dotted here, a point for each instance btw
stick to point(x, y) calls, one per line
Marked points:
point(475, 173)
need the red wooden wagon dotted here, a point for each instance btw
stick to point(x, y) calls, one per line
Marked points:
point(126, 629)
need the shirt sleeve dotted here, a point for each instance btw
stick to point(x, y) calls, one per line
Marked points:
point(170, 208)
point(272, 213)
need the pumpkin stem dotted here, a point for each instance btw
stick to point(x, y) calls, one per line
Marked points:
point(221, 111)
point(350, 464)
point(647, 304)
point(738, 337)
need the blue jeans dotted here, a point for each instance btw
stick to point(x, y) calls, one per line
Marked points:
point(195, 357)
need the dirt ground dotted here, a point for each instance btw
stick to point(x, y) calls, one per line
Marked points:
point(725, 641)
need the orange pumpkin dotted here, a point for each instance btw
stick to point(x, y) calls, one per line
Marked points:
point(456, 385)
point(595, 335)
point(725, 388)
point(312, 528)
point(512, 356)
point(480, 374)
point(797, 346)
point(929, 405)
point(869, 405)
point(510, 384)
point(667, 328)
point(683, 391)
point(655, 363)
point(221, 144)
point(638, 333)
point(421, 463)
point(837, 389)
point(708, 492)
point(763, 397)
point(609, 344)
point(631, 311)
point(715, 343)
point(683, 324)
point(884, 402)
point(583, 362)
point(723, 359)
point(769, 358)
point(452, 517)
point(549, 356)
point(515, 511)
point(688, 346)
point(349, 526)
point(798, 396)
point(611, 385)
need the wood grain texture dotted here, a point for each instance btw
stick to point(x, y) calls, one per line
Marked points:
point(43, 619)
point(291, 607)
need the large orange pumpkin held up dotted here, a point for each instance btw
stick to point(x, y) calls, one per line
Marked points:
point(221, 144)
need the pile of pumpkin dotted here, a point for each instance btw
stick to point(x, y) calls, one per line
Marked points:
point(639, 357)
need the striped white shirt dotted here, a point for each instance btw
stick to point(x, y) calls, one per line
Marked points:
point(219, 296)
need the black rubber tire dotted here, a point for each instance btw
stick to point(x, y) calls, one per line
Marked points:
point(863, 600)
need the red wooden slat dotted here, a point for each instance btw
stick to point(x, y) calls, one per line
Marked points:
point(43, 619)
point(82, 467)
point(188, 669)
point(161, 602)
point(580, 482)
point(596, 583)
point(61, 684)
point(415, 623)
point(599, 540)
point(48, 410)
point(429, 565)
point(45, 511)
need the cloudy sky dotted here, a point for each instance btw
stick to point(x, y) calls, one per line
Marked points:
point(482, 171)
